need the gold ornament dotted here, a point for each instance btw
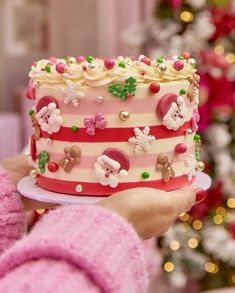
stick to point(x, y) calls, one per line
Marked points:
point(124, 115)
point(200, 166)
point(192, 62)
point(33, 173)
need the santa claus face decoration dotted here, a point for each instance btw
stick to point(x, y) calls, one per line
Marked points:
point(48, 115)
point(111, 166)
point(172, 111)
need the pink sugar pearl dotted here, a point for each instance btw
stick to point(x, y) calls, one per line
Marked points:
point(180, 148)
point(109, 63)
point(178, 65)
point(80, 59)
point(60, 67)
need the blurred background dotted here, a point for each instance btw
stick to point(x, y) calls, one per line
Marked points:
point(198, 253)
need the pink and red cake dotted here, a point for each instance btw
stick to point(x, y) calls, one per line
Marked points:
point(104, 125)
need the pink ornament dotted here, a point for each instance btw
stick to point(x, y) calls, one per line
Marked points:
point(109, 63)
point(154, 87)
point(178, 65)
point(80, 59)
point(91, 123)
point(180, 148)
point(146, 60)
point(175, 4)
point(60, 67)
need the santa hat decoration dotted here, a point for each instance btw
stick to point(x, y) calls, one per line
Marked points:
point(45, 101)
point(117, 159)
point(168, 104)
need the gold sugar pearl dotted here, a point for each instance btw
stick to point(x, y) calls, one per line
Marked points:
point(200, 166)
point(124, 115)
point(33, 173)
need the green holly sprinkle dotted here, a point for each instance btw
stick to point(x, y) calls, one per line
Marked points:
point(121, 90)
point(74, 128)
point(180, 57)
point(89, 59)
point(48, 68)
point(145, 175)
point(122, 64)
point(31, 113)
point(182, 91)
point(160, 59)
point(43, 158)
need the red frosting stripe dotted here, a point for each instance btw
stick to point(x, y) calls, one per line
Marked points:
point(113, 134)
point(96, 189)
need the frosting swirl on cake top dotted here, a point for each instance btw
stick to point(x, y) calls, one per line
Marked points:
point(99, 72)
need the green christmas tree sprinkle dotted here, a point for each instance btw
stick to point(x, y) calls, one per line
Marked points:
point(31, 112)
point(43, 158)
point(121, 90)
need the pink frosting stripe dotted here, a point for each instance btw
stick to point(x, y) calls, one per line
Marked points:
point(109, 106)
point(137, 161)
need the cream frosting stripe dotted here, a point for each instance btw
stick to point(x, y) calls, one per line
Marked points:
point(95, 149)
point(82, 175)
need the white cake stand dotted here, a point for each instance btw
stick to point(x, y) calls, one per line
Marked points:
point(27, 187)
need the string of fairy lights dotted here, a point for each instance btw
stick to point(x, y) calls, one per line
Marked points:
point(219, 218)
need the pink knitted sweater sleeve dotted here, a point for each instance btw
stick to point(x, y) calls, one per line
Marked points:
point(92, 247)
point(12, 218)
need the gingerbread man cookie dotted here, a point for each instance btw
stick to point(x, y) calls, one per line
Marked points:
point(165, 166)
point(71, 158)
point(35, 126)
point(193, 87)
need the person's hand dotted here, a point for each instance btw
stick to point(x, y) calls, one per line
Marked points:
point(17, 167)
point(152, 211)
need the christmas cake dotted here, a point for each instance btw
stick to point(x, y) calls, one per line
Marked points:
point(104, 125)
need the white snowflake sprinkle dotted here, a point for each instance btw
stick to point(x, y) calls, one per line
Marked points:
point(73, 93)
point(142, 139)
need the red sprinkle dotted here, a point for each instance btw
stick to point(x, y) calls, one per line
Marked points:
point(129, 95)
point(186, 55)
point(52, 167)
point(146, 60)
point(84, 68)
point(154, 88)
point(142, 72)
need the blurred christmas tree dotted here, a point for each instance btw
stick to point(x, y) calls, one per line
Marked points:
point(202, 244)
